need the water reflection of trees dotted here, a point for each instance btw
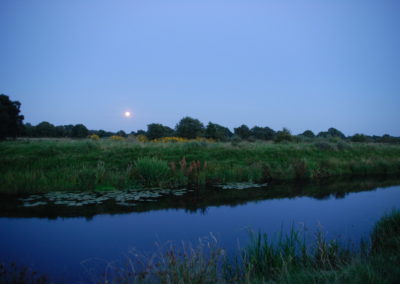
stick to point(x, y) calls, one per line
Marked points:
point(198, 201)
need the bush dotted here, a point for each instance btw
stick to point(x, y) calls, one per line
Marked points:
point(94, 137)
point(359, 138)
point(142, 138)
point(117, 138)
point(324, 146)
point(341, 145)
point(151, 171)
point(283, 135)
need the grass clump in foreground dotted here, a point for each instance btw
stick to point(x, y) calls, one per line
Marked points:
point(287, 260)
point(66, 165)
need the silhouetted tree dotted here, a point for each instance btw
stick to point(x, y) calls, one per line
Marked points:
point(122, 133)
point(283, 135)
point(189, 128)
point(308, 133)
point(359, 138)
point(28, 130)
point(243, 131)
point(79, 131)
point(141, 132)
point(388, 139)
point(45, 129)
point(262, 133)
point(336, 133)
point(60, 131)
point(218, 132)
point(157, 130)
point(10, 120)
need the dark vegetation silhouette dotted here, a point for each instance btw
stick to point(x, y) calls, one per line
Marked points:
point(11, 126)
point(10, 118)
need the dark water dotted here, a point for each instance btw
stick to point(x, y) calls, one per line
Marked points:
point(66, 242)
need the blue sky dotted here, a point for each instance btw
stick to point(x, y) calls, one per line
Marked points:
point(296, 64)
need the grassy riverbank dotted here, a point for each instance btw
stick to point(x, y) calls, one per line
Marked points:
point(287, 260)
point(49, 165)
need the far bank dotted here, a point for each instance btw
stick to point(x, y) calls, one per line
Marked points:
point(67, 165)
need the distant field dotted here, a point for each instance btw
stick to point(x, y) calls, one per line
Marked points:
point(42, 165)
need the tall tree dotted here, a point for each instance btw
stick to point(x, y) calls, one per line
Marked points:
point(10, 120)
point(263, 133)
point(79, 131)
point(189, 128)
point(217, 132)
point(45, 129)
point(243, 131)
point(157, 130)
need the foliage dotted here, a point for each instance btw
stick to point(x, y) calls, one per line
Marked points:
point(332, 132)
point(45, 129)
point(121, 133)
point(324, 146)
point(189, 128)
point(79, 131)
point(170, 140)
point(151, 171)
point(263, 133)
point(10, 119)
point(217, 132)
point(117, 138)
point(283, 135)
point(156, 130)
point(142, 138)
point(308, 133)
point(358, 138)
point(63, 165)
point(242, 131)
point(94, 137)
point(385, 236)
point(285, 258)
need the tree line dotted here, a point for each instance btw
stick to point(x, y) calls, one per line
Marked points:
point(11, 125)
point(191, 128)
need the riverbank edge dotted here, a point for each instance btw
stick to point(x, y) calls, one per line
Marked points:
point(45, 166)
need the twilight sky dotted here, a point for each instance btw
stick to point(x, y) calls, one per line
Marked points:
point(297, 64)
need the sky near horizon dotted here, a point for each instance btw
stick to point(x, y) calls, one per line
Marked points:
point(297, 64)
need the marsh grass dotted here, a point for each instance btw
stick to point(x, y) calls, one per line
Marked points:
point(286, 259)
point(49, 165)
point(289, 258)
point(151, 171)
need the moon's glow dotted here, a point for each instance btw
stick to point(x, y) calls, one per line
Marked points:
point(127, 114)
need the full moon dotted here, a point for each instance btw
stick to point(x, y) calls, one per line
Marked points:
point(127, 114)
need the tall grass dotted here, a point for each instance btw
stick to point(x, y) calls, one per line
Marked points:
point(41, 166)
point(151, 171)
point(286, 260)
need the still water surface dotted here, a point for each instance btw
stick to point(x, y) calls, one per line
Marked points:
point(59, 245)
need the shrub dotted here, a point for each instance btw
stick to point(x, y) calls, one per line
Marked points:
point(324, 146)
point(341, 145)
point(117, 138)
point(170, 140)
point(359, 138)
point(94, 137)
point(151, 171)
point(283, 135)
point(142, 138)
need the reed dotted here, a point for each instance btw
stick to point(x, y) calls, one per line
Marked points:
point(49, 165)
